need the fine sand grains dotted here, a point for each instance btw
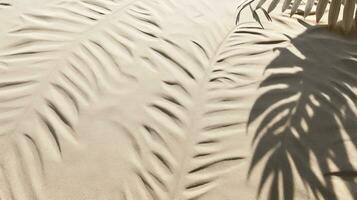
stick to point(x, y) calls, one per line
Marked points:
point(170, 100)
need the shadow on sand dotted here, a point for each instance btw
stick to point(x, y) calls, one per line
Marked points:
point(308, 124)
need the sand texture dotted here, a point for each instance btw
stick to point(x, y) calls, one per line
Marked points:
point(171, 100)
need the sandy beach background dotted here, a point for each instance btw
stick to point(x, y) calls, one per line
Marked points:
point(171, 100)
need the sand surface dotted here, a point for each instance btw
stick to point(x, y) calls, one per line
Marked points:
point(170, 100)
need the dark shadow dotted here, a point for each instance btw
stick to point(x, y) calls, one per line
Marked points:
point(308, 115)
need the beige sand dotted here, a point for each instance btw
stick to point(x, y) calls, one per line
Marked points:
point(170, 100)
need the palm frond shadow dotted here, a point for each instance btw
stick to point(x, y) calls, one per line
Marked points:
point(306, 120)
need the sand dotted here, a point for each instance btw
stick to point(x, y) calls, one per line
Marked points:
point(171, 100)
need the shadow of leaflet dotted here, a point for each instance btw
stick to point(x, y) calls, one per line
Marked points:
point(308, 113)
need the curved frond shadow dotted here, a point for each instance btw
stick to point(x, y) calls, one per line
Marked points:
point(306, 120)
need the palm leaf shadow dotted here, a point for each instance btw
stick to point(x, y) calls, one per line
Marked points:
point(307, 113)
